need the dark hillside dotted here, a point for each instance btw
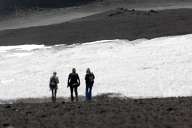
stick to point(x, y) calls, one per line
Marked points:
point(13, 4)
point(117, 24)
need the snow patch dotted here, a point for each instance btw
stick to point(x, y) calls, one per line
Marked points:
point(160, 67)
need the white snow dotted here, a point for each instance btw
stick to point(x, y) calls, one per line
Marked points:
point(159, 67)
point(20, 47)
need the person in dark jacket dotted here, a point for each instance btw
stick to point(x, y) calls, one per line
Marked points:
point(73, 83)
point(89, 81)
point(54, 80)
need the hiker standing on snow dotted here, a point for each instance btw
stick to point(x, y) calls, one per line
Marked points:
point(73, 83)
point(89, 81)
point(54, 81)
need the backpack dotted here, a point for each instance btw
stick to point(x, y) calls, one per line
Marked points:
point(91, 78)
point(53, 81)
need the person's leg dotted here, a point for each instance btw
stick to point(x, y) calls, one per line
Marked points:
point(52, 91)
point(76, 93)
point(90, 92)
point(71, 88)
point(55, 94)
point(87, 92)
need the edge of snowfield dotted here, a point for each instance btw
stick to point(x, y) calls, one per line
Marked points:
point(160, 67)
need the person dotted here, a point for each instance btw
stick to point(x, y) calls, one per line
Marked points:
point(54, 81)
point(73, 83)
point(89, 81)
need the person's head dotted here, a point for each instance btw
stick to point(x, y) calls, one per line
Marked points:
point(54, 73)
point(73, 70)
point(88, 70)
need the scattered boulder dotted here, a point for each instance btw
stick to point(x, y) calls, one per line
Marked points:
point(132, 10)
point(153, 11)
point(56, 106)
point(7, 125)
point(118, 12)
point(28, 113)
point(8, 106)
point(43, 116)
point(170, 109)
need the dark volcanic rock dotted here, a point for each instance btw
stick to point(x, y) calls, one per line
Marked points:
point(102, 112)
point(115, 24)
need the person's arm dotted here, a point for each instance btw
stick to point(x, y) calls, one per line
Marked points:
point(86, 77)
point(93, 76)
point(57, 80)
point(50, 83)
point(78, 79)
point(68, 81)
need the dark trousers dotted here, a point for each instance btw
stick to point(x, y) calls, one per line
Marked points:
point(88, 91)
point(54, 94)
point(74, 89)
